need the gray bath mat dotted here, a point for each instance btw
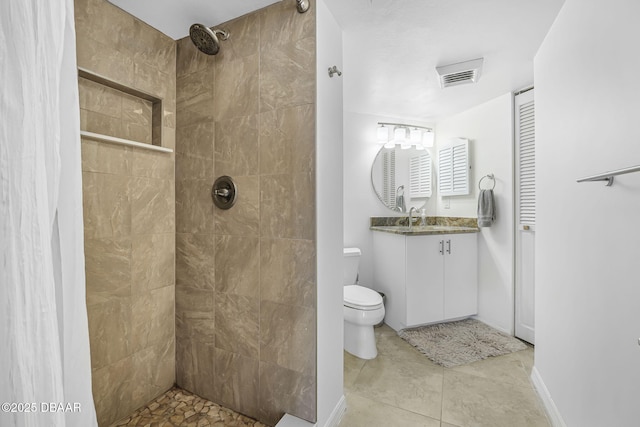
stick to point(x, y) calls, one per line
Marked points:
point(458, 343)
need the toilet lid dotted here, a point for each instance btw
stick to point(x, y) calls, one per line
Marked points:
point(359, 296)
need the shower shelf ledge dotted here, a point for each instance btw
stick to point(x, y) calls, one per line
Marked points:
point(121, 141)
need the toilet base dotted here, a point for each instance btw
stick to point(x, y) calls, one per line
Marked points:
point(360, 341)
point(359, 337)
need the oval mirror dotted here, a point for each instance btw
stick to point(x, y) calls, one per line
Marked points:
point(402, 178)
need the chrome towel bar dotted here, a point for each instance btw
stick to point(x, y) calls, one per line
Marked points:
point(608, 176)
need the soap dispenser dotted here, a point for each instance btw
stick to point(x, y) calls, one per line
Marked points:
point(423, 217)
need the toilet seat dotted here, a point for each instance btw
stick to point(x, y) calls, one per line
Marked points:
point(361, 298)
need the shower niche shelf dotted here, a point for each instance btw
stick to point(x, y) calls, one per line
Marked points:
point(121, 141)
point(156, 115)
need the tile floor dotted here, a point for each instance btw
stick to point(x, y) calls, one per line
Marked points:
point(402, 388)
point(399, 388)
point(178, 407)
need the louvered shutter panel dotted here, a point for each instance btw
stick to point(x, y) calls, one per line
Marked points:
point(453, 168)
point(527, 160)
point(460, 169)
point(445, 171)
point(389, 179)
point(420, 176)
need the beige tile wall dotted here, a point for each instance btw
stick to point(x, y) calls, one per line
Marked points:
point(245, 277)
point(129, 210)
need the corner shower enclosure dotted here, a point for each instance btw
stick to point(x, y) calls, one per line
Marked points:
point(243, 280)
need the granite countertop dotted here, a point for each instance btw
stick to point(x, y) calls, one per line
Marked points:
point(422, 230)
point(435, 225)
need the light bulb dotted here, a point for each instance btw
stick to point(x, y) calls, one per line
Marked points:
point(428, 138)
point(416, 135)
point(400, 134)
point(383, 134)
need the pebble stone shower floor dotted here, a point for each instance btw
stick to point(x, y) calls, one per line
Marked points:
point(178, 407)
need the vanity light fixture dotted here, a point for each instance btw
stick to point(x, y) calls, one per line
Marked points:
point(405, 135)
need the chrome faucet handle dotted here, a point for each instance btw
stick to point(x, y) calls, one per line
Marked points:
point(223, 192)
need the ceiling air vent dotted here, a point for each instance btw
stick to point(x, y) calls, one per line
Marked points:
point(460, 73)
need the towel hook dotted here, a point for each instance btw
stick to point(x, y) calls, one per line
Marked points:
point(491, 177)
point(334, 70)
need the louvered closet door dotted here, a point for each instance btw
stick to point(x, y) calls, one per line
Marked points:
point(525, 215)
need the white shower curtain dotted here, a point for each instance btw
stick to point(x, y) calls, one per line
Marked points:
point(45, 369)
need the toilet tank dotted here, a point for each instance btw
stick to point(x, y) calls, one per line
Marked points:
point(351, 260)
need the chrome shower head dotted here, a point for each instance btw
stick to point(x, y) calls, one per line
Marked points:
point(207, 39)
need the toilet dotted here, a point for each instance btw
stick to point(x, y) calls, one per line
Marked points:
point(363, 308)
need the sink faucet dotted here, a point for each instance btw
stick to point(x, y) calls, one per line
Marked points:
point(411, 211)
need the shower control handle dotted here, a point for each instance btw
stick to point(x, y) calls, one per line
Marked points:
point(224, 192)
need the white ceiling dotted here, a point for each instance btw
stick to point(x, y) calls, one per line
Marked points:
point(391, 47)
point(174, 17)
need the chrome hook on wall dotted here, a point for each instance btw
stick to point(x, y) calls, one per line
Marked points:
point(334, 70)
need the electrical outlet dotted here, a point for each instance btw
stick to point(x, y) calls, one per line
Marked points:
point(447, 203)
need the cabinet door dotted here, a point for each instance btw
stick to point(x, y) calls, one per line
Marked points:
point(389, 275)
point(460, 275)
point(425, 271)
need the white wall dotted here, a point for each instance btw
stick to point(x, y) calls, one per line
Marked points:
point(489, 128)
point(329, 219)
point(360, 201)
point(587, 241)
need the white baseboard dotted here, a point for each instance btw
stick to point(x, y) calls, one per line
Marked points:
point(334, 419)
point(290, 421)
point(337, 413)
point(494, 326)
point(549, 406)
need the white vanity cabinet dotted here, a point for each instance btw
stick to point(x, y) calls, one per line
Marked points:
point(426, 278)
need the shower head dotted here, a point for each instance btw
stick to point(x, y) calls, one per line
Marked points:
point(207, 39)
